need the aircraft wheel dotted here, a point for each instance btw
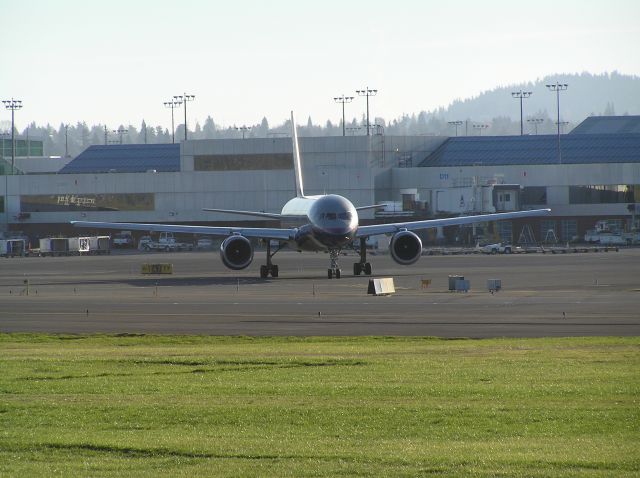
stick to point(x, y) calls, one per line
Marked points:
point(367, 268)
point(274, 271)
point(357, 268)
point(264, 272)
point(338, 273)
point(330, 273)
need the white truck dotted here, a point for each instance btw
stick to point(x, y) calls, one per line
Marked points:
point(123, 239)
point(497, 248)
point(607, 234)
point(168, 243)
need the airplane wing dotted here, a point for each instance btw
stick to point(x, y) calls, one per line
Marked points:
point(269, 215)
point(365, 231)
point(260, 232)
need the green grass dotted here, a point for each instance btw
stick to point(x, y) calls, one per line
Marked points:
point(225, 406)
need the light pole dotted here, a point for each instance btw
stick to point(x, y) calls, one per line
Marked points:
point(184, 98)
point(521, 94)
point(562, 125)
point(535, 122)
point(456, 124)
point(343, 99)
point(367, 92)
point(173, 104)
point(243, 128)
point(558, 87)
point(13, 105)
point(121, 131)
point(66, 141)
point(480, 127)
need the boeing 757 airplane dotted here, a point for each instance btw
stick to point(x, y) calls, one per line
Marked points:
point(326, 222)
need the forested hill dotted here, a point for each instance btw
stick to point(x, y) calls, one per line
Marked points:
point(586, 95)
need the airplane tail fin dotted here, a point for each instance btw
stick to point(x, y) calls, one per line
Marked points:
point(296, 159)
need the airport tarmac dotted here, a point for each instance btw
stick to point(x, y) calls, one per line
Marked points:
point(543, 295)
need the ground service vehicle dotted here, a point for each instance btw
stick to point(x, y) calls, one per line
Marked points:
point(123, 239)
point(168, 243)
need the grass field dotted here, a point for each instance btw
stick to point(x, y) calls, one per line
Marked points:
point(224, 406)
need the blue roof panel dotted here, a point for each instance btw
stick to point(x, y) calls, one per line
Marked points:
point(126, 158)
point(542, 149)
point(608, 125)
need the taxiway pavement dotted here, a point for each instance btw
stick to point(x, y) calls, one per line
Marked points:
point(543, 295)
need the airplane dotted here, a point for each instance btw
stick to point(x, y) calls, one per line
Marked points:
point(327, 222)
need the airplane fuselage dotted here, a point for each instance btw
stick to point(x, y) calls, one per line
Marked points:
point(324, 222)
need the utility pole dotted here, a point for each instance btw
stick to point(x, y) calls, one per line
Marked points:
point(106, 135)
point(13, 105)
point(173, 104)
point(456, 124)
point(184, 98)
point(535, 122)
point(367, 92)
point(343, 99)
point(521, 94)
point(558, 87)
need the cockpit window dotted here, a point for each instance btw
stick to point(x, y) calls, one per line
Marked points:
point(332, 216)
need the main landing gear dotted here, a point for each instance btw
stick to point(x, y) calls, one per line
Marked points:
point(363, 265)
point(269, 268)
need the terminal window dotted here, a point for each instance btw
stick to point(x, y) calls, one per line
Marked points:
point(603, 194)
point(242, 162)
point(534, 196)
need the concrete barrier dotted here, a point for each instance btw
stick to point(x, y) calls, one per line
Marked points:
point(382, 286)
point(157, 269)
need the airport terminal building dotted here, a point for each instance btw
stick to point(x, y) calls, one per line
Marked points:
point(590, 174)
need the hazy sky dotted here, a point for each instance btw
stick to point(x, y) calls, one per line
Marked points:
point(116, 62)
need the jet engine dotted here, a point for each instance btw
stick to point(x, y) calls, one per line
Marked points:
point(236, 252)
point(405, 248)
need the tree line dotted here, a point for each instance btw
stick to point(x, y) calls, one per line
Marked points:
point(494, 113)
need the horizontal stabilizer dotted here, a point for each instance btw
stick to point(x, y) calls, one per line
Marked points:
point(372, 206)
point(268, 215)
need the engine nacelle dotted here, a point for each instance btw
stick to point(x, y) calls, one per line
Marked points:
point(236, 252)
point(405, 248)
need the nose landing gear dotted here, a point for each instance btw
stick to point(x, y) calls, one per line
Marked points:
point(334, 271)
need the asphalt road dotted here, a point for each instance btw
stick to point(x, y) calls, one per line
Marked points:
point(543, 295)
